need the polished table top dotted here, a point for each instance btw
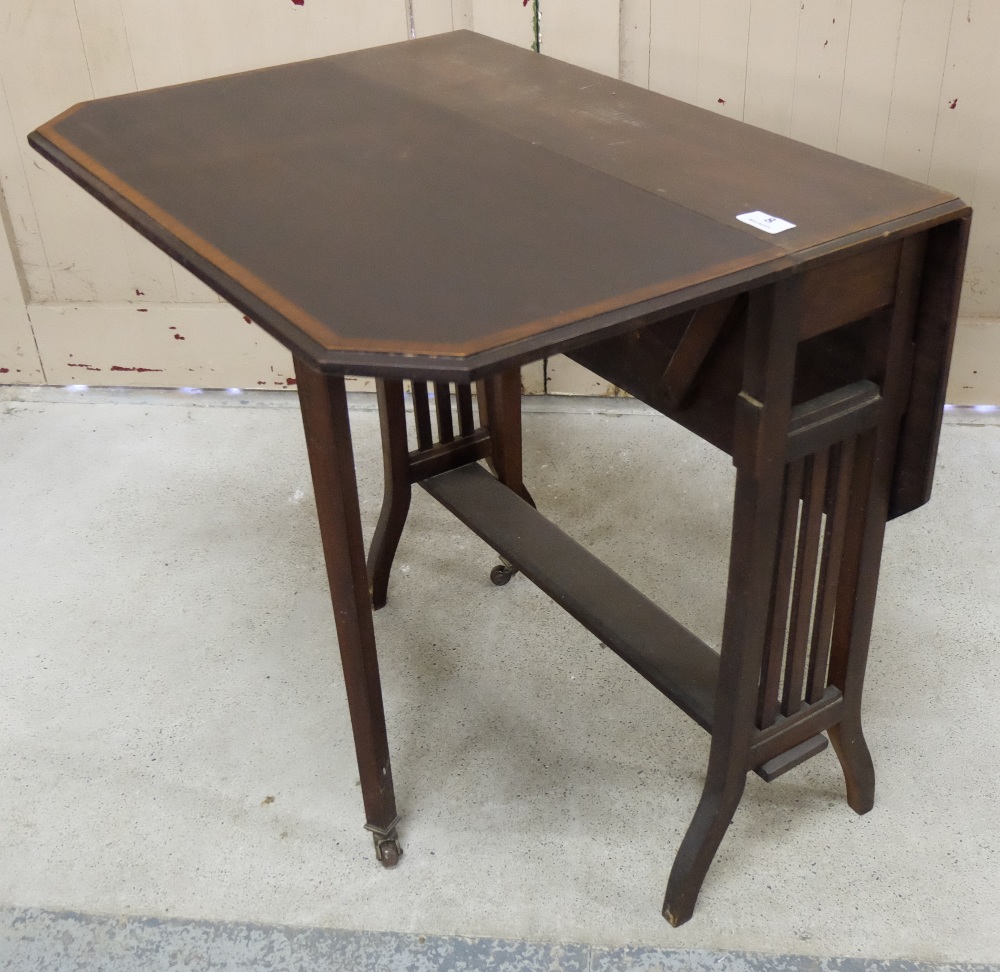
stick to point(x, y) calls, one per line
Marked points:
point(447, 206)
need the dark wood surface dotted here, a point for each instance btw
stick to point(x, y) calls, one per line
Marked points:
point(418, 210)
point(713, 165)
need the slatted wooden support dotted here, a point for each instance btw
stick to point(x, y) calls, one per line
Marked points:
point(438, 448)
point(795, 701)
point(662, 650)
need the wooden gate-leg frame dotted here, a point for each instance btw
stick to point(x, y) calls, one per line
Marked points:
point(328, 439)
point(812, 499)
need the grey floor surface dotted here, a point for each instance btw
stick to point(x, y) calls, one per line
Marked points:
point(175, 752)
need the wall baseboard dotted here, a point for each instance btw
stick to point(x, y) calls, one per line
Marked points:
point(212, 345)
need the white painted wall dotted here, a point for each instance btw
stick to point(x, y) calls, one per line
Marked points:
point(908, 85)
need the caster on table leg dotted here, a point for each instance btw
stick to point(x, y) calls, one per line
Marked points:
point(387, 849)
point(503, 572)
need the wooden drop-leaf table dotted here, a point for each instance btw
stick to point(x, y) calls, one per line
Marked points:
point(445, 210)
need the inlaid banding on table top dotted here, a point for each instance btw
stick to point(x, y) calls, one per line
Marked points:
point(375, 221)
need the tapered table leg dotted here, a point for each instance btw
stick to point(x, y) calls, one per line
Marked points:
point(328, 439)
point(763, 415)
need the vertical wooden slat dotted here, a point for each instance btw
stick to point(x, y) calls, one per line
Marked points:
point(466, 423)
point(829, 575)
point(442, 406)
point(421, 414)
point(767, 706)
point(396, 497)
point(806, 558)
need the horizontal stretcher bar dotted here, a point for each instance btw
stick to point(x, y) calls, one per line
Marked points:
point(659, 648)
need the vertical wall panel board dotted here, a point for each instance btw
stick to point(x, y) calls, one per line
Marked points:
point(174, 42)
point(161, 346)
point(966, 107)
point(868, 75)
point(771, 57)
point(566, 377)
point(378, 21)
point(533, 378)
point(432, 17)
point(819, 76)
point(105, 46)
point(45, 71)
point(461, 14)
point(968, 114)
point(507, 20)
point(916, 87)
point(189, 288)
point(585, 34)
point(974, 378)
point(673, 48)
point(109, 62)
point(19, 363)
point(25, 235)
point(633, 42)
point(982, 274)
point(722, 56)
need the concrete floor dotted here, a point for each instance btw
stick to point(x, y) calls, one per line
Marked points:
point(174, 739)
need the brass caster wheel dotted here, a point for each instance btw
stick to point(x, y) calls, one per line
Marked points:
point(388, 852)
point(501, 574)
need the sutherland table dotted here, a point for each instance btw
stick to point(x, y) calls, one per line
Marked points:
point(443, 211)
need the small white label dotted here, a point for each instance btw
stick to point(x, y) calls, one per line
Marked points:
point(762, 221)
